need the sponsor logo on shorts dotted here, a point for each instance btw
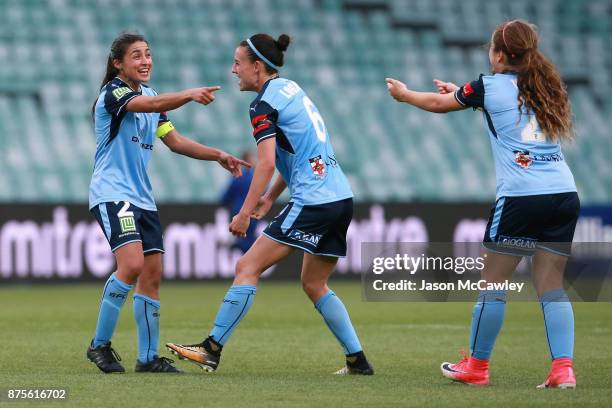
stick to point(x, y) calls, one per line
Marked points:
point(306, 237)
point(525, 243)
point(127, 224)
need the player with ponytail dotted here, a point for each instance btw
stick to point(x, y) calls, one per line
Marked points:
point(128, 117)
point(291, 136)
point(527, 114)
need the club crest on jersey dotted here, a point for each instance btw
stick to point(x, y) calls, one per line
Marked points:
point(522, 158)
point(317, 165)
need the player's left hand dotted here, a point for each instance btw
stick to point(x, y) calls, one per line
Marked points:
point(240, 225)
point(397, 89)
point(232, 164)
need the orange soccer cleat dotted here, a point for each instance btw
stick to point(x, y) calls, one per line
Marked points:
point(469, 370)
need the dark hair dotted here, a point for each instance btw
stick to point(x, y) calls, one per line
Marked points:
point(540, 86)
point(269, 47)
point(118, 49)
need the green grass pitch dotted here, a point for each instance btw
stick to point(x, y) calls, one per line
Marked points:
point(282, 355)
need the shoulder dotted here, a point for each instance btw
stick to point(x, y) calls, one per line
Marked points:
point(147, 90)
point(280, 92)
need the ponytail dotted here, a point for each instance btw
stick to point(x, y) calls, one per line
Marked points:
point(541, 89)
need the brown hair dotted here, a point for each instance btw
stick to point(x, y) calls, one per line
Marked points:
point(270, 48)
point(541, 89)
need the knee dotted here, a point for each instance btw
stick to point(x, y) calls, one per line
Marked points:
point(132, 266)
point(314, 288)
point(246, 271)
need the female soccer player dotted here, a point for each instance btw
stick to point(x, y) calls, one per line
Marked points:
point(527, 114)
point(290, 135)
point(128, 117)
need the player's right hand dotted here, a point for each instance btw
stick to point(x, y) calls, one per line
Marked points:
point(261, 209)
point(445, 87)
point(204, 95)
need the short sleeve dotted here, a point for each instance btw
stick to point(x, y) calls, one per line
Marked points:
point(117, 96)
point(471, 94)
point(263, 120)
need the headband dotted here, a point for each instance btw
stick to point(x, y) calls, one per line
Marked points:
point(513, 55)
point(260, 55)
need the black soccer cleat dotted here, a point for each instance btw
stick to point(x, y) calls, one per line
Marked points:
point(206, 354)
point(356, 364)
point(106, 358)
point(158, 365)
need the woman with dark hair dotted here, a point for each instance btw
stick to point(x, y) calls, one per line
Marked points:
point(128, 117)
point(291, 136)
point(527, 114)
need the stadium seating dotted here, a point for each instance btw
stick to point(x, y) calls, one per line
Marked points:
point(54, 53)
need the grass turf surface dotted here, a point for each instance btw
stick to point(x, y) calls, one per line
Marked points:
point(282, 354)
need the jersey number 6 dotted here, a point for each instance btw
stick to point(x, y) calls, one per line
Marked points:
point(315, 117)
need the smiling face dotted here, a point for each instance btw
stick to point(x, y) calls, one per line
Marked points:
point(246, 71)
point(137, 63)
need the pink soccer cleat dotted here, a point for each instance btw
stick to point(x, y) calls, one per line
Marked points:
point(472, 371)
point(561, 375)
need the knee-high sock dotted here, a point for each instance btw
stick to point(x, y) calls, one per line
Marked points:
point(337, 319)
point(559, 323)
point(113, 297)
point(236, 304)
point(487, 320)
point(146, 314)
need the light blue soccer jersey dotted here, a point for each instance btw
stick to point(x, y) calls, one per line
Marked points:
point(304, 154)
point(526, 162)
point(124, 143)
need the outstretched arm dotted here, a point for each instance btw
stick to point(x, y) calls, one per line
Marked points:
point(442, 102)
point(169, 101)
point(190, 148)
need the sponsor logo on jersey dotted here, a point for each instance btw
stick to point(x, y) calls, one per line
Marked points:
point(120, 92)
point(317, 165)
point(302, 236)
point(524, 158)
point(467, 89)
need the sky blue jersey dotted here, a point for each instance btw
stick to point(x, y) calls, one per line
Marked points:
point(526, 162)
point(124, 143)
point(304, 154)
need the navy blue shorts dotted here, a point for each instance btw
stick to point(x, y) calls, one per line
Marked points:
point(316, 229)
point(123, 222)
point(520, 225)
